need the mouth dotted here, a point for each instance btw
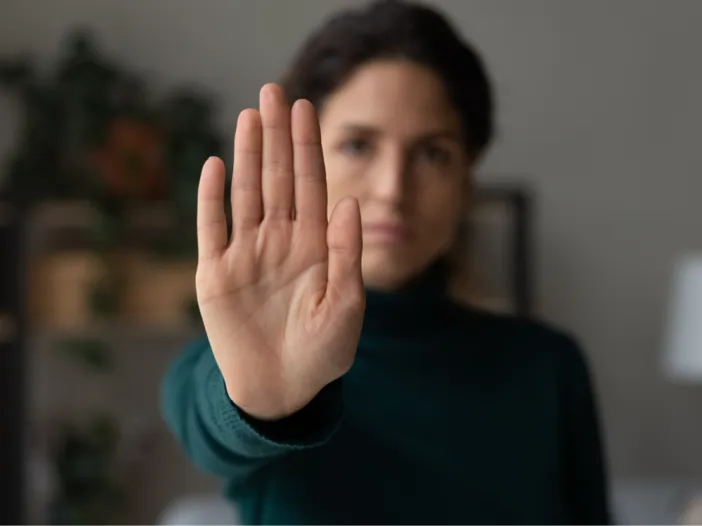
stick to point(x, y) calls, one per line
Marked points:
point(385, 233)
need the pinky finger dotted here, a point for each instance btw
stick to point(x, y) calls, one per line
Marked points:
point(211, 219)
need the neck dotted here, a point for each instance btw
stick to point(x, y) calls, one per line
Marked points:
point(417, 307)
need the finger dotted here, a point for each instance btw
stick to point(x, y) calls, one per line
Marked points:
point(246, 176)
point(345, 247)
point(277, 154)
point(310, 178)
point(211, 219)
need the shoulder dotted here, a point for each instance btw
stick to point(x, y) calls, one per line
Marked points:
point(525, 341)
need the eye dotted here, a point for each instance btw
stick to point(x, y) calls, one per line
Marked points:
point(356, 147)
point(434, 154)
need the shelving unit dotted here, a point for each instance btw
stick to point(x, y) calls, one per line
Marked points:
point(39, 384)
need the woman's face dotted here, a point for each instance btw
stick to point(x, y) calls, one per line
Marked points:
point(392, 140)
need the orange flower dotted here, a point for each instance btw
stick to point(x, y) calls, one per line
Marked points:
point(131, 160)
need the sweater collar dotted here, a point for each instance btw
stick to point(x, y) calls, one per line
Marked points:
point(419, 307)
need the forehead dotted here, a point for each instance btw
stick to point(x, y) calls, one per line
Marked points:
point(395, 97)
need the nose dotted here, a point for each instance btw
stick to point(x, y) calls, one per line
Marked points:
point(391, 180)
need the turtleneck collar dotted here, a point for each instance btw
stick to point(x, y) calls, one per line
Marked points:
point(417, 308)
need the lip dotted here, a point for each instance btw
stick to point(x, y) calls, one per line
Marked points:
point(386, 232)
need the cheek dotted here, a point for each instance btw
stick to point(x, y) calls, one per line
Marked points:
point(441, 214)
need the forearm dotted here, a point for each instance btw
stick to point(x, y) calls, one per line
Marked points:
point(218, 437)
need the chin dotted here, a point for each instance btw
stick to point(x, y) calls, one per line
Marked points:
point(388, 270)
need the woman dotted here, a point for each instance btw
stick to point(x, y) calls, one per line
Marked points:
point(338, 382)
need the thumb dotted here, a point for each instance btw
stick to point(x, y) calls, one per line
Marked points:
point(345, 245)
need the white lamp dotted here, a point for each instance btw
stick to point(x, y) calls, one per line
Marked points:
point(683, 350)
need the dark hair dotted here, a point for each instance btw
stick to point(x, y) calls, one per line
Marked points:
point(396, 29)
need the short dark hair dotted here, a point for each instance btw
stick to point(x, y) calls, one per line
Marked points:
point(387, 29)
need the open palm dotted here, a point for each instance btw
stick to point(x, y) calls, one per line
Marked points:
point(282, 301)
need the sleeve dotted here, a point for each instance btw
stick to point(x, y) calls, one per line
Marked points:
point(221, 439)
point(586, 482)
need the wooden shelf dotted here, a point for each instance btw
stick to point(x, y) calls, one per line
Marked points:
point(117, 330)
point(82, 214)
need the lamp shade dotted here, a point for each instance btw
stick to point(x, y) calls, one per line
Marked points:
point(683, 339)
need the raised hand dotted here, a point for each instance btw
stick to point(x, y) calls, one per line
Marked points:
point(282, 301)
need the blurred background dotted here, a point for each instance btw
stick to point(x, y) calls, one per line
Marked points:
point(108, 109)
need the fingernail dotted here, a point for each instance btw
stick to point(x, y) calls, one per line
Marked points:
point(266, 93)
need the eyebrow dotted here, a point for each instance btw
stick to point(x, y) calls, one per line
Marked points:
point(365, 129)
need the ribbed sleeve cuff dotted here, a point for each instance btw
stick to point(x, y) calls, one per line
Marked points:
point(312, 426)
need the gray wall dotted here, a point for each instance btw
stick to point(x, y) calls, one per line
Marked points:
point(599, 107)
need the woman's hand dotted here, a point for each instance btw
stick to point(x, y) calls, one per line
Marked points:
point(282, 301)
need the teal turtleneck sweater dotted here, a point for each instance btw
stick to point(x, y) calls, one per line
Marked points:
point(448, 415)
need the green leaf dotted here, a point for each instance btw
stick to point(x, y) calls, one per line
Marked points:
point(104, 299)
point(16, 73)
point(194, 312)
point(93, 353)
point(105, 432)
